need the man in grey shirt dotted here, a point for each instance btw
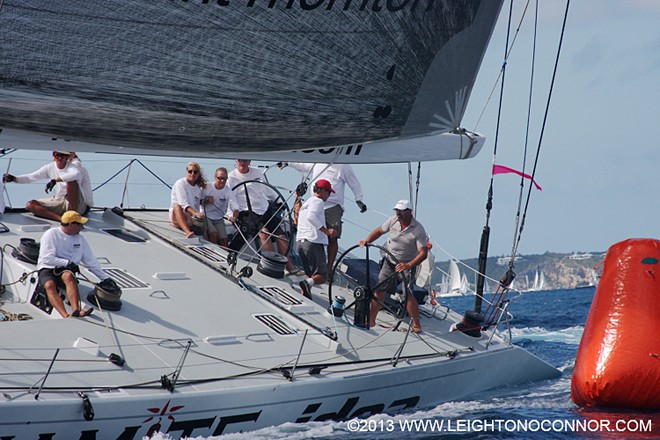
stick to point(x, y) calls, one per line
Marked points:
point(407, 242)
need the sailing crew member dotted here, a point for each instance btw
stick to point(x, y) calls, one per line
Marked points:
point(339, 175)
point(61, 251)
point(65, 180)
point(254, 198)
point(407, 242)
point(186, 198)
point(313, 236)
point(218, 199)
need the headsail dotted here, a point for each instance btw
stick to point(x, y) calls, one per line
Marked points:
point(229, 78)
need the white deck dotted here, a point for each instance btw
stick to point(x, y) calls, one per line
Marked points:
point(231, 377)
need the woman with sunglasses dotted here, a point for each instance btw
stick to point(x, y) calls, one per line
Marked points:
point(186, 200)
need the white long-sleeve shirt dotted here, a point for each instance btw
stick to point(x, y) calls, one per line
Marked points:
point(50, 171)
point(185, 195)
point(338, 175)
point(58, 249)
point(85, 183)
point(311, 219)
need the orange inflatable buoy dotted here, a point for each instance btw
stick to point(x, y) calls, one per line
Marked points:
point(618, 362)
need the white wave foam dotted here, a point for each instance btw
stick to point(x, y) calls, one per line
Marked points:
point(570, 335)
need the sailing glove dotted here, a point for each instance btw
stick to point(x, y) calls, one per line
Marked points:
point(301, 189)
point(50, 185)
point(281, 165)
point(361, 205)
point(8, 178)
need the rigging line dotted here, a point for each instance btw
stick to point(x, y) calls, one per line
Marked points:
point(514, 245)
point(545, 116)
point(506, 58)
point(128, 165)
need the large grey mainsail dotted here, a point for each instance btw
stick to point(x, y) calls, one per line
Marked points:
point(237, 76)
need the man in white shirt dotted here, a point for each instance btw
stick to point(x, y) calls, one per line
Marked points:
point(61, 251)
point(339, 175)
point(253, 199)
point(65, 179)
point(313, 236)
point(218, 199)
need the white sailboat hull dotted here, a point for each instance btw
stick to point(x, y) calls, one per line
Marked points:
point(231, 378)
point(215, 412)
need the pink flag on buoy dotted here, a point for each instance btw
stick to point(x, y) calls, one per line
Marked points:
point(501, 169)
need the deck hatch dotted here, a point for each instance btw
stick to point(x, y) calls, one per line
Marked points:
point(125, 235)
point(124, 279)
point(209, 254)
point(275, 322)
point(281, 295)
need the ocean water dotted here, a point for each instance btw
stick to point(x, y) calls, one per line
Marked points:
point(548, 324)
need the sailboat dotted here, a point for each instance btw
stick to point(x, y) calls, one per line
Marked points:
point(203, 341)
point(539, 281)
point(453, 284)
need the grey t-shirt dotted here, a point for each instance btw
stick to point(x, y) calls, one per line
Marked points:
point(404, 244)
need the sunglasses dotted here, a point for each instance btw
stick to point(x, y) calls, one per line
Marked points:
point(58, 155)
point(193, 172)
point(72, 223)
point(220, 178)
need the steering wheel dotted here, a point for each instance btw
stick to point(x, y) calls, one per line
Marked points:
point(248, 224)
point(366, 288)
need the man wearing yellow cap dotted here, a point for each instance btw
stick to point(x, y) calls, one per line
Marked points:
point(62, 250)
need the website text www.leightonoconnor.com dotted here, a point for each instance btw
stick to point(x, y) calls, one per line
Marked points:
point(499, 425)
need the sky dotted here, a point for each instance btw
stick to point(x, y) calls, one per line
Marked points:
point(598, 163)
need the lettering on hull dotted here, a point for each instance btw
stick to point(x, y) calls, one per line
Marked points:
point(217, 425)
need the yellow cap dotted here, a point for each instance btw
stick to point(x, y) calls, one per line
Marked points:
point(73, 217)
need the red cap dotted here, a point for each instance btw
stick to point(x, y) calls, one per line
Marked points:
point(322, 183)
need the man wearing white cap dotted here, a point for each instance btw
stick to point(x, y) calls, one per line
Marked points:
point(407, 242)
point(313, 236)
point(62, 250)
point(65, 179)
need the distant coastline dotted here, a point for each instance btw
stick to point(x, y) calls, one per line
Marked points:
point(559, 270)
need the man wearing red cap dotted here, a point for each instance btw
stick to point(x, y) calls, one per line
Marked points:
point(313, 236)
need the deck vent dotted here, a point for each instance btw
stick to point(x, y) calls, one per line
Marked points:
point(124, 279)
point(281, 295)
point(209, 254)
point(125, 235)
point(274, 322)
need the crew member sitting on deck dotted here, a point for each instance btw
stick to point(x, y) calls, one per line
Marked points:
point(65, 179)
point(185, 211)
point(218, 199)
point(62, 250)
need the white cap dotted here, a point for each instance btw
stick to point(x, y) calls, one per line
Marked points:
point(402, 205)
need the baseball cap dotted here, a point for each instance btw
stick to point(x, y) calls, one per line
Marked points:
point(402, 205)
point(322, 183)
point(73, 217)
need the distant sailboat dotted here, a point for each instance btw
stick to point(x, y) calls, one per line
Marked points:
point(454, 285)
point(539, 281)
